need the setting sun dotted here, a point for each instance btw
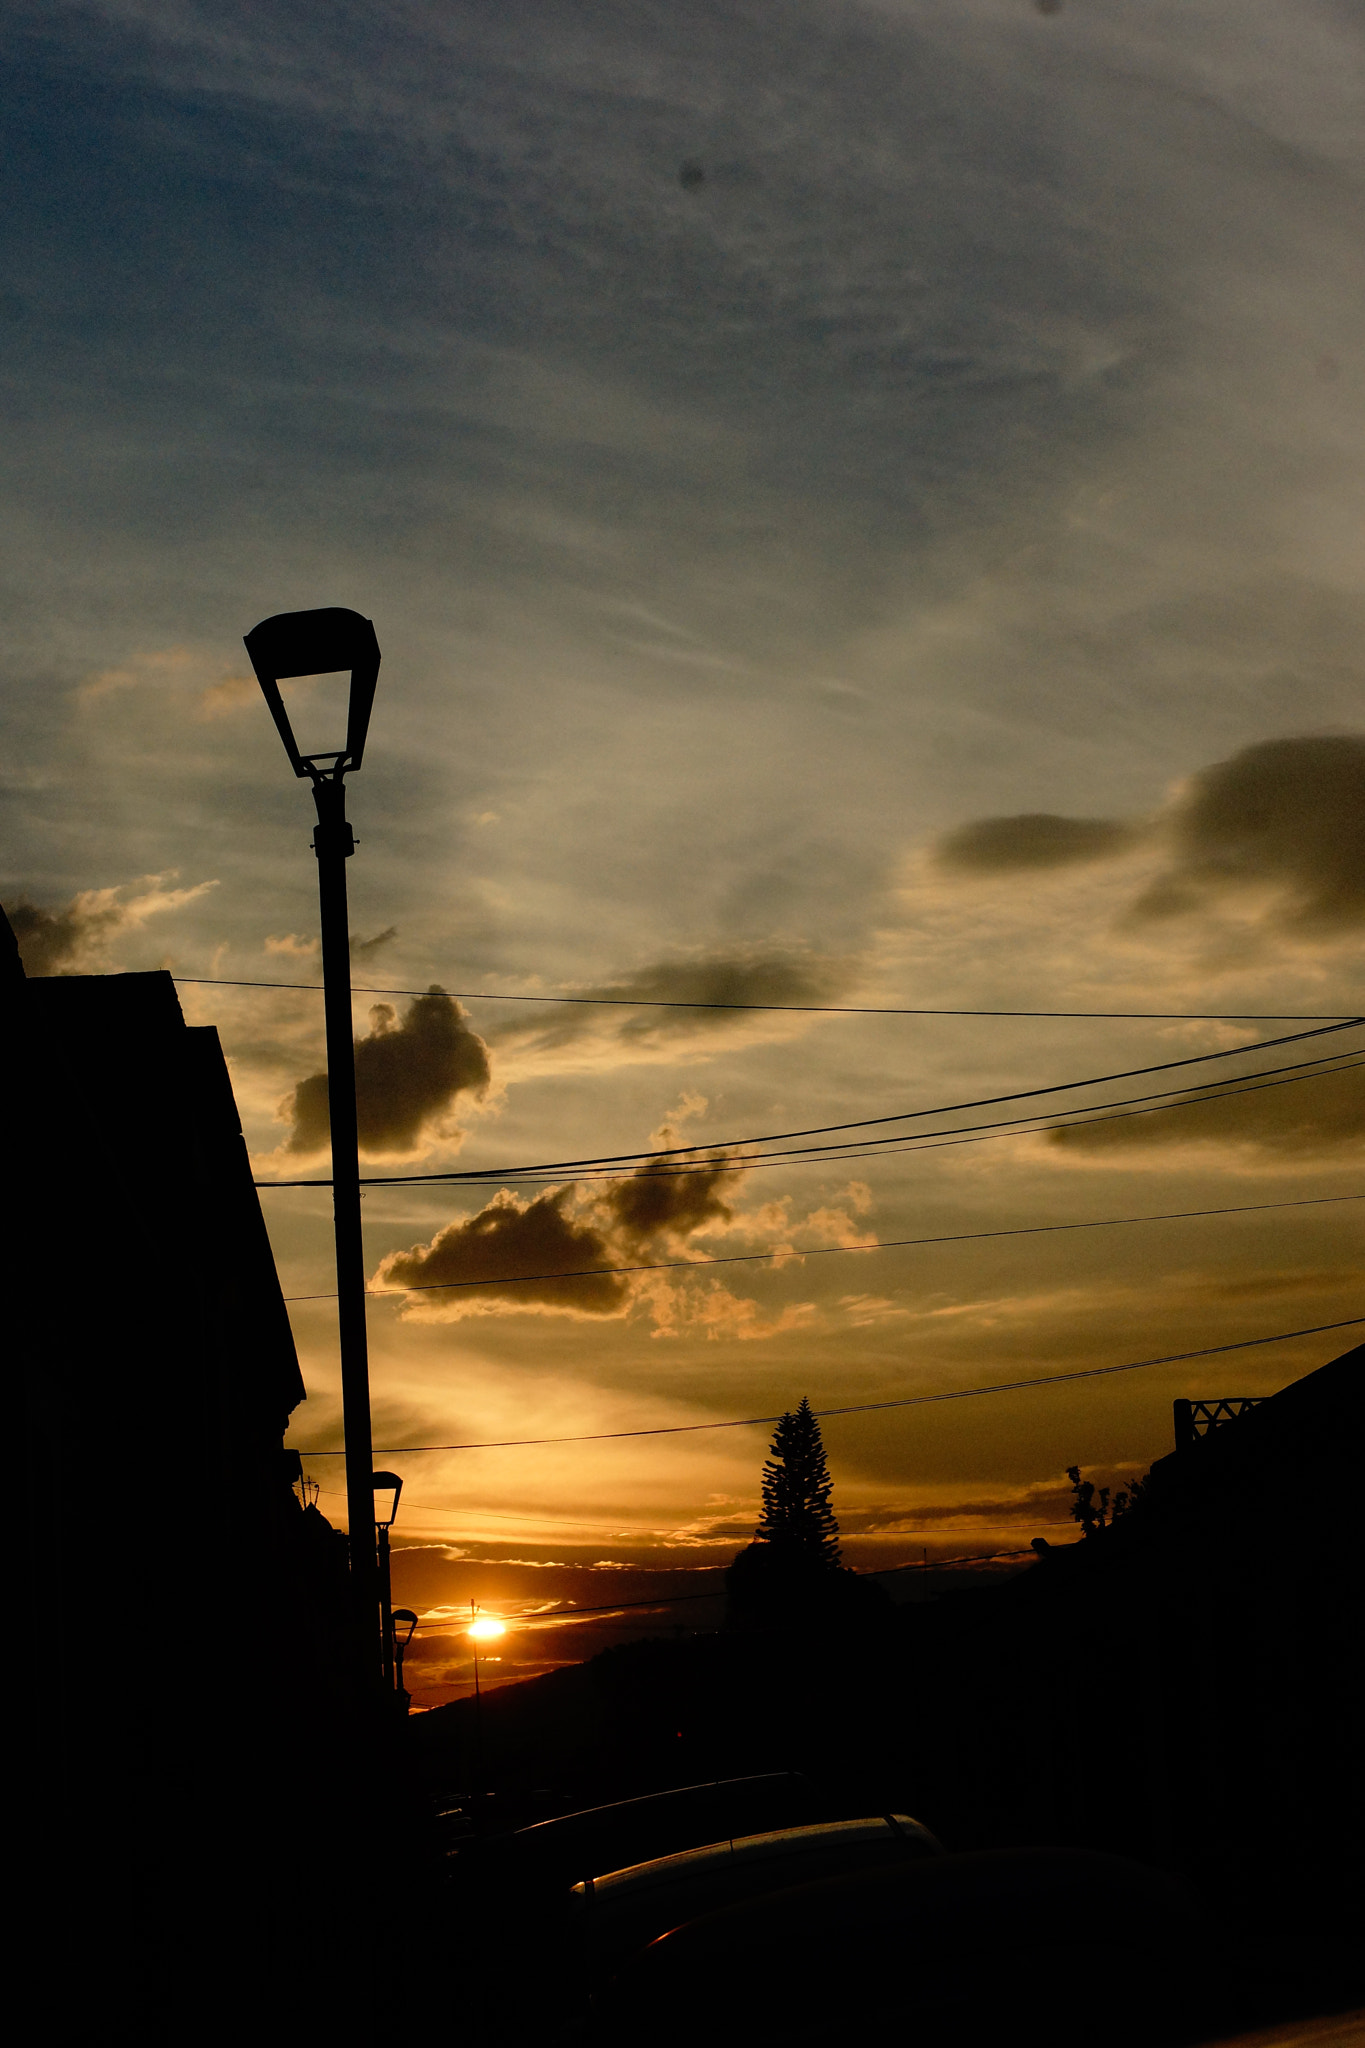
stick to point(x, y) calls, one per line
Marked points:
point(486, 1628)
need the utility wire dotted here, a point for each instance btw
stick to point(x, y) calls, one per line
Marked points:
point(621, 1530)
point(1038, 1123)
point(635, 1532)
point(826, 1251)
point(902, 1142)
point(484, 995)
point(1051, 1379)
point(828, 1130)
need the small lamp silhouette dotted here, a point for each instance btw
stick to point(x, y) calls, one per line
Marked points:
point(404, 1622)
point(386, 1488)
point(319, 643)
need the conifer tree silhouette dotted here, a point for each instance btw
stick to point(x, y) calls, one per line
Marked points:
point(797, 1519)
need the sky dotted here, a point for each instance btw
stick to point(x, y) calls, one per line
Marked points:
point(861, 505)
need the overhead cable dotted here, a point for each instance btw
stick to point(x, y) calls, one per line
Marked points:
point(1041, 1121)
point(829, 1251)
point(714, 1145)
point(484, 995)
point(1051, 1379)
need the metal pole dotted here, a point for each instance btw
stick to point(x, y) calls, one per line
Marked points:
point(478, 1723)
point(334, 844)
point(386, 1609)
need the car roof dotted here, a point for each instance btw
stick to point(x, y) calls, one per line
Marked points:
point(748, 1849)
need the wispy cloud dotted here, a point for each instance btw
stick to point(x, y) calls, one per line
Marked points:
point(76, 939)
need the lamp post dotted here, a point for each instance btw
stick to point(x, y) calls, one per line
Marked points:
point(319, 643)
point(387, 1487)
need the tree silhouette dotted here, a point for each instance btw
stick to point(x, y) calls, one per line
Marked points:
point(797, 1519)
point(1091, 1508)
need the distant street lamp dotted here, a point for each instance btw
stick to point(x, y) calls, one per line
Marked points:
point(324, 643)
point(387, 1487)
point(483, 1628)
point(404, 1622)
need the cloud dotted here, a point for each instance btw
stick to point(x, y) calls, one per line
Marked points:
point(1035, 839)
point(175, 669)
point(1279, 827)
point(648, 1206)
point(1288, 817)
point(643, 1217)
point(506, 1240)
point(407, 1075)
point(74, 940)
point(725, 980)
point(1323, 1114)
point(221, 699)
point(714, 1312)
point(730, 979)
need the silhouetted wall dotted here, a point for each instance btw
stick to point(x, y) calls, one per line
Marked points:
point(185, 1655)
point(1188, 1683)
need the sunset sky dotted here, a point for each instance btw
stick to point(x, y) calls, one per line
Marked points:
point(861, 505)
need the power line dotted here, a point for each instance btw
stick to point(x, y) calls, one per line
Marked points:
point(714, 1145)
point(484, 995)
point(1040, 1121)
point(1051, 1379)
point(622, 1530)
point(639, 1532)
point(973, 1557)
point(854, 1149)
point(825, 1251)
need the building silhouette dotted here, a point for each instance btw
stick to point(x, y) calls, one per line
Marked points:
point(184, 1646)
point(1188, 1686)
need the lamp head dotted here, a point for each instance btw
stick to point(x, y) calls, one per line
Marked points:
point(315, 644)
point(387, 1487)
point(404, 1618)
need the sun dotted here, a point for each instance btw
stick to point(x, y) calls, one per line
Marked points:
point(486, 1628)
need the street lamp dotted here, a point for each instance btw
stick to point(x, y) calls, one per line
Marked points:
point(405, 1620)
point(321, 643)
point(387, 1487)
point(483, 1628)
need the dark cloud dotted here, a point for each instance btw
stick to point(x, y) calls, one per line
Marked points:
point(1285, 818)
point(729, 980)
point(508, 1240)
point(649, 1205)
point(51, 941)
point(642, 1216)
point(360, 947)
point(1288, 815)
point(1035, 839)
point(407, 1074)
point(758, 976)
point(1323, 1114)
